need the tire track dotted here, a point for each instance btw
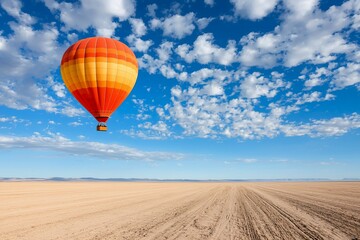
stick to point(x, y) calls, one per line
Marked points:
point(198, 222)
point(348, 224)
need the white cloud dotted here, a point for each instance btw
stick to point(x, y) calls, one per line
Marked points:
point(56, 142)
point(176, 26)
point(160, 64)
point(204, 51)
point(151, 9)
point(203, 74)
point(309, 97)
point(13, 120)
point(248, 160)
point(76, 124)
point(213, 89)
point(328, 163)
point(160, 127)
point(205, 110)
point(168, 71)
point(254, 9)
point(317, 78)
point(155, 23)
point(164, 50)
point(242, 160)
point(279, 160)
point(151, 131)
point(305, 35)
point(71, 111)
point(72, 37)
point(346, 76)
point(209, 2)
point(81, 137)
point(58, 88)
point(34, 97)
point(300, 9)
point(203, 22)
point(13, 8)
point(260, 51)
point(4, 119)
point(138, 27)
point(24, 59)
point(137, 44)
point(93, 13)
point(255, 86)
point(324, 128)
point(201, 114)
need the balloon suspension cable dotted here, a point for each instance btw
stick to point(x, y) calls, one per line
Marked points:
point(101, 126)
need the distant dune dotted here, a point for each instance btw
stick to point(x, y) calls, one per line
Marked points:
point(157, 210)
point(91, 179)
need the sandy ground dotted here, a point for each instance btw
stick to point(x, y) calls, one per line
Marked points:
point(113, 210)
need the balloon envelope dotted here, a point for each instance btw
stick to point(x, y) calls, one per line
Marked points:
point(100, 72)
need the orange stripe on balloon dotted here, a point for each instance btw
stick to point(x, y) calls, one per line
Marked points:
point(105, 55)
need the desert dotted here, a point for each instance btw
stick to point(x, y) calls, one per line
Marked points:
point(177, 210)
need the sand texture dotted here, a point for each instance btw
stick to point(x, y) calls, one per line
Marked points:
point(118, 210)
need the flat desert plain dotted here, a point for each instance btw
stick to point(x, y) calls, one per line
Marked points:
point(119, 210)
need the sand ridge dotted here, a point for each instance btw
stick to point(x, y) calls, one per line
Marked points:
point(133, 210)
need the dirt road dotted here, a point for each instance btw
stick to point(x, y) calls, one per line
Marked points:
point(113, 210)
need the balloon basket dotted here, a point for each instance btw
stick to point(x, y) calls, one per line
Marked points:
point(101, 128)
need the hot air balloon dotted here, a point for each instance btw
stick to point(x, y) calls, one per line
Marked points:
point(100, 73)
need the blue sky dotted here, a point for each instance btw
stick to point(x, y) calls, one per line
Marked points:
point(226, 89)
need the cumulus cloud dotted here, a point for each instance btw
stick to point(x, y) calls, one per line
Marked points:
point(255, 86)
point(13, 8)
point(203, 74)
point(254, 9)
point(312, 97)
point(95, 14)
point(137, 44)
point(176, 26)
point(58, 88)
point(24, 57)
point(299, 9)
point(13, 121)
point(150, 131)
point(213, 89)
point(138, 26)
point(71, 111)
point(151, 9)
point(161, 63)
point(336, 126)
point(346, 76)
point(203, 115)
point(209, 2)
point(204, 109)
point(57, 142)
point(203, 22)
point(317, 78)
point(75, 124)
point(204, 51)
point(306, 34)
point(260, 51)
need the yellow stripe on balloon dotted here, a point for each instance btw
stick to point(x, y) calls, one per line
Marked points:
point(92, 75)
